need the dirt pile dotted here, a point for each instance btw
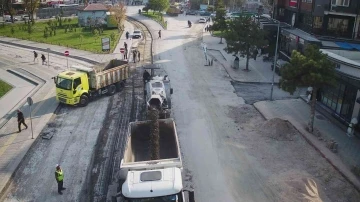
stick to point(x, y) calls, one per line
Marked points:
point(278, 129)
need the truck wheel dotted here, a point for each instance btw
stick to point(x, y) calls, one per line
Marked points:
point(111, 90)
point(84, 100)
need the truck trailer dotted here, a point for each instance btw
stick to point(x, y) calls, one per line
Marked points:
point(79, 84)
point(146, 180)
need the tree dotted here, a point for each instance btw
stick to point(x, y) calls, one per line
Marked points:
point(220, 22)
point(311, 69)
point(30, 7)
point(8, 7)
point(243, 37)
point(159, 5)
point(118, 15)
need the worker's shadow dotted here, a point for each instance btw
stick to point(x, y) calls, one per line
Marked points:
point(11, 133)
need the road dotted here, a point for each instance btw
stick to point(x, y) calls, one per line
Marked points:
point(74, 130)
point(201, 100)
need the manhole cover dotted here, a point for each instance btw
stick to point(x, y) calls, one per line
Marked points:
point(320, 117)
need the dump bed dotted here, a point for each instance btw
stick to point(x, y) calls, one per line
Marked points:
point(105, 74)
point(137, 153)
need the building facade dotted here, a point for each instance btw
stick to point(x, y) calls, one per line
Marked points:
point(324, 18)
point(93, 14)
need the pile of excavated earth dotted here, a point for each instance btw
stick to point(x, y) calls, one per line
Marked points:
point(294, 170)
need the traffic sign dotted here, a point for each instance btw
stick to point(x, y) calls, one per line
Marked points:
point(122, 50)
point(66, 53)
point(29, 101)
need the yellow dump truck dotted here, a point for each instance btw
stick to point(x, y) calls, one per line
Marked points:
point(77, 85)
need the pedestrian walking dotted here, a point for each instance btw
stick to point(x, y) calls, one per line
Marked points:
point(21, 120)
point(134, 56)
point(59, 176)
point(146, 76)
point(159, 34)
point(125, 54)
point(127, 35)
point(208, 28)
point(138, 53)
point(43, 58)
point(35, 56)
point(125, 45)
point(255, 54)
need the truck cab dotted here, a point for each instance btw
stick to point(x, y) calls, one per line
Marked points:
point(70, 85)
point(163, 185)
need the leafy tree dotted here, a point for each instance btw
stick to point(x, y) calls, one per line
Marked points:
point(243, 37)
point(118, 15)
point(311, 69)
point(112, 37)
point(8, 7)
point(159, 5)
point(31, 6)
point(220, 22)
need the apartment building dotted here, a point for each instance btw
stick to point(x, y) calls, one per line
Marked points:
point(323, 18)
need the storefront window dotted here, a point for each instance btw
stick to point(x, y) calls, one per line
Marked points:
point(336, 24)
point(340, 99)
point(318, 22)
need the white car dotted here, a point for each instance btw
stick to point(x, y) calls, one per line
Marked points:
point(136, 34)
point(202, 20)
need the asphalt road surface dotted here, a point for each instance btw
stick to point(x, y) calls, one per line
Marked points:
point(202, 96)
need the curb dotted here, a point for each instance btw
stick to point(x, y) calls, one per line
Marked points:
point(8, 116)
point(295, 124)
point(165, 28)
point(51, 51)
point(237, 81)
point(4, 190)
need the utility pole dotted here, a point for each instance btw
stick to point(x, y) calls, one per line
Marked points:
point(275, 61)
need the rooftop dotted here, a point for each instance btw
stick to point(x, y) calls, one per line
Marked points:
point(94, 7)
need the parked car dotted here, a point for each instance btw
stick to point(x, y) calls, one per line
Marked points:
point(7, 18)
point(25, 17)
point(279, 64)
point(136, 34)
point(202, 20)
point(191, 12)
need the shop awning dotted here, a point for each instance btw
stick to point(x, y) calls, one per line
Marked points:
point(348, 46)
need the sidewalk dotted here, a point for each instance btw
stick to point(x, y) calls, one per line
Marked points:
point(74, 53)
point(297, 112)
point(259, 71)
point(39, 86)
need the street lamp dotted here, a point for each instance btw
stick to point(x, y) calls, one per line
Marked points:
point(275, 60)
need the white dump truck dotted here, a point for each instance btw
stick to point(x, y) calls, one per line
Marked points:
point(158, 93)
point(147, 180)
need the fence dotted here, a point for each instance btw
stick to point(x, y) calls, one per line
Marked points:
point(49, 12)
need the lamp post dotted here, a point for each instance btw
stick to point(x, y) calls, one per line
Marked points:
point(275, 60)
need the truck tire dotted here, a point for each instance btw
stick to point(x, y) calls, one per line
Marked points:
point(120, 85)
point(111, 90)
point(84, 100)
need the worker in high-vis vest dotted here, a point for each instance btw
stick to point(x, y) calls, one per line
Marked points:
point(59, 176)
